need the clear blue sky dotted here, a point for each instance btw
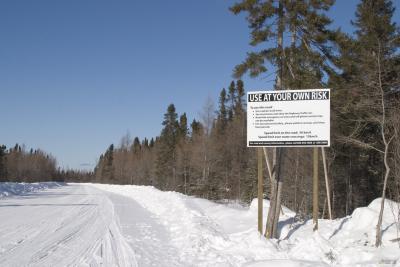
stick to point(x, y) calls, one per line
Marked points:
point(76, 75)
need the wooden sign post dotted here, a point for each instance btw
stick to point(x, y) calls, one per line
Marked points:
point(315, 188)
point(260, 188)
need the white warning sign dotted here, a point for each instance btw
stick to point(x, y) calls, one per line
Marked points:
point(288, 118)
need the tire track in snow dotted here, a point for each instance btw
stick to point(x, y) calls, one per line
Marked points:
point(150, 239)
point(61, 227)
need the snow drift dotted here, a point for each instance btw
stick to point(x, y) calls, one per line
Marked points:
point(12, 189)
point(210, 234)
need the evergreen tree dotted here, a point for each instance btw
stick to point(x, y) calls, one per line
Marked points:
point(166, 154)
point(108, 168)
point(182, 155)
point(231, 99)
point(197, 128)
point(136, 145)
point(98, 170)
point(151, 143)
point(145, 143)
point(170, 123)
point(222, 118)
point(183, 126)
point(304, 60)
point(239, 109)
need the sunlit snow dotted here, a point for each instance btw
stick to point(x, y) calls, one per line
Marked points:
point(50, 224)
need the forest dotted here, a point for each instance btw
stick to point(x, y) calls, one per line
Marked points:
point(294, 43)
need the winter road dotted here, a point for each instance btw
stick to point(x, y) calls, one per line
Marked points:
point(72, 225)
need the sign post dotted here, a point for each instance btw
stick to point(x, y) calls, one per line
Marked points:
point(289, 118)
point(260, 189)
point(315, 188)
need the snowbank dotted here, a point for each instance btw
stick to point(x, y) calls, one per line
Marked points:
point(11, 189)
point(210, 234)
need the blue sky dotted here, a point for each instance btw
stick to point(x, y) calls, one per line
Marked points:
point(75, 76)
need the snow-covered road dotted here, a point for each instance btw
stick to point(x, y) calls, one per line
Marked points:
point(49, 224)
point(70, 225)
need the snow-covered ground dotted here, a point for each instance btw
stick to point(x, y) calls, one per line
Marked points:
point(113, 225)
point(11, 189)
point(70, 225)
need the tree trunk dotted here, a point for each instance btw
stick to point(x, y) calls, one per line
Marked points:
point(276, 189)
point(386, 142)
point(378, 240)
point(271, 210)
point(260, 188)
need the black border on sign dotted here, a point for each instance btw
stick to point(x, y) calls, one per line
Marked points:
point(312, 143)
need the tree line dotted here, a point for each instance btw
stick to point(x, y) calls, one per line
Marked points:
point(209, 158)
point(19, 165)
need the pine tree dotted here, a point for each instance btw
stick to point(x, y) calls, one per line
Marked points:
point(231, 100)
point(98, 170)
point(302, 62)
point(222, 118)
point(166, 154)
point(136, 146)
point(145, 143)
point(151, 143)
point(182, 155)
point(183, 126)
point(108, 167)
point(220, 159)
point(170, 123)
point(197, 128)
point(239, 109)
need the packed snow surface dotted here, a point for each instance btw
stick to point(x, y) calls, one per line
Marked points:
point(115, 225)
point(70, 225)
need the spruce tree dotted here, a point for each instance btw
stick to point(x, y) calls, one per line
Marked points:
point(108, 167)
point(98, 170)
point(170, 123)
point(197, 128)
point(166, 154)
point(136, 145)
point(151, 143)
point(231, 100)
point(145, 143)
point(239, 108)
point(222, 118)
point(183, 126)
